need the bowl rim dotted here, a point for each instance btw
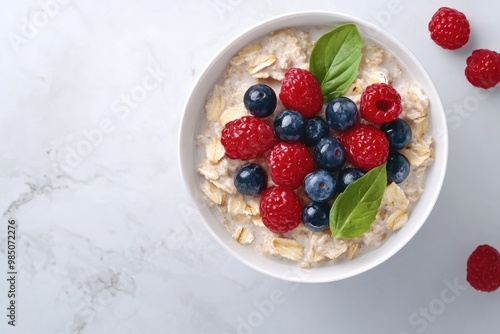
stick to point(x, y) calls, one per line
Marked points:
point(294, 268)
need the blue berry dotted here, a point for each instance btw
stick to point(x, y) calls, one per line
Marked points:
point(398, 133)
point(250, 179)
point(289, 126)
point(260, 100)
point(329, 154)
point(315, 130)
point(341, 113)
point(347, 176)
point(316, 216)
point(319, 186)
point(398, 167)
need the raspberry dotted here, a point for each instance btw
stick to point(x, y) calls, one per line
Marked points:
point(380, 103)
point(483, 269)
point(300, 91)
point(289, 163)
point(483, 68)
point(366, 147)
point(280, 209)
point(247, 138)
point(449, 28)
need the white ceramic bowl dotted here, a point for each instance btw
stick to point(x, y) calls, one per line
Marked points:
point(193, 118)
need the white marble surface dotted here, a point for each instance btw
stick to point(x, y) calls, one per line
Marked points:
point(108, 241)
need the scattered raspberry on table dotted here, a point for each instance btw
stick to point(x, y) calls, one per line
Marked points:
point(483, 269)
point(449, 28)
point(483, 68)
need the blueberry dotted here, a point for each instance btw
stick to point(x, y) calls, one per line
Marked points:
point(260, 100)
point(250, 179)
point(329, 154)
point(347, 176)
point(316, 216)
point(319, 186)
point(398, 167)
point(341, 113)
point(398, 133)
point(315, 130)
point(289, 126)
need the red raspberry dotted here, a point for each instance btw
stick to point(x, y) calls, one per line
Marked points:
point(449, 28)
point(380, 103)
point(247, 138)
point(483, 68)
point(280, 209)
point(300, 91)
point(366, 147)
point(483, 269)
point(289, 163)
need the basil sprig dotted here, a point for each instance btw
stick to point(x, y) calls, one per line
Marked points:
point(335, 60)
point(356, 208)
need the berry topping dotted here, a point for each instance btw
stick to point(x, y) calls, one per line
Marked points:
point(289, 126)
point(319, 186)
point(341, 113)
point(289, 163)
point(483, 68)
point(260, 100)
point(398, 167)
point(366, 146)
point(380, 103)
point(247, 138)
point(483, 269)
point(250, 179)
point(315, 216)
point(280, 209)
point(315, 130)
point(301, 91)
point(347, 176)
point(398, 133)
point(449, 28)
point(329, 154)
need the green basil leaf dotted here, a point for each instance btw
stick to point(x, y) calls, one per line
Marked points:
point(355, 209)
point(335, 60)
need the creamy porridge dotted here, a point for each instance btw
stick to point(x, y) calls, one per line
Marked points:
point(266, 61)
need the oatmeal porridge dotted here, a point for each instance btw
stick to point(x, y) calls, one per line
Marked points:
point(266, 61)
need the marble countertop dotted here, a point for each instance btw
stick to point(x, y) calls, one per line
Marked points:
point(91, 96)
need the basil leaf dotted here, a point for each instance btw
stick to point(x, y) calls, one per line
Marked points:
point(355, 209)
point(335, 60)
